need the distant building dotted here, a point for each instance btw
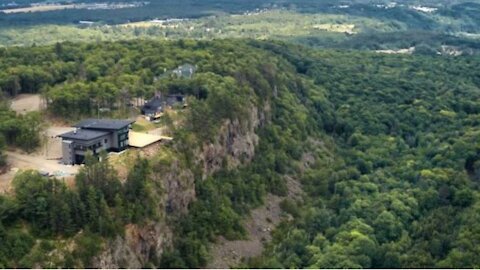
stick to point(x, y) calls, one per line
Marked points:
point(94, 135)
point(156, 106)
point(185, 71)
point(153, 108)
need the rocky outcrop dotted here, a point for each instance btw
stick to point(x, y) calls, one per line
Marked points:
point(140, 245)
point(179, 185)
point(235, 143)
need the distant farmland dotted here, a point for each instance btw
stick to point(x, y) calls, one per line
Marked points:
point(42, 8)
point(52, 7)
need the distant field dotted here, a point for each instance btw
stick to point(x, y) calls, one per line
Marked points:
point(285, 23)
point(342, 28)
point(278, 24)
point(148, 24)
point(145, 24)
point(54, 7)
point(38, 8)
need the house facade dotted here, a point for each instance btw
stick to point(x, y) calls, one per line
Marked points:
point(94, 135)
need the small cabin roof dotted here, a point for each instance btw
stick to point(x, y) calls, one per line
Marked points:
point(154, 103)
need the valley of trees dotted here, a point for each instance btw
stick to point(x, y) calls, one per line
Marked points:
point(401, 189)
point(394, 139)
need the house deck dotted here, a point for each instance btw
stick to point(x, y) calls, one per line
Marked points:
point(140, 140)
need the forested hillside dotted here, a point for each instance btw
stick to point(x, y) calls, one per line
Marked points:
point(391, 143)
point(402, 189)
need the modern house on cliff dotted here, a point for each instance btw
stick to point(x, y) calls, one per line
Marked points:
point(94, 135)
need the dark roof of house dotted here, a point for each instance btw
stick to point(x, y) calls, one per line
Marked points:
point(103, 124)
point(153, 103)
point(83, 134)
point(156, 103)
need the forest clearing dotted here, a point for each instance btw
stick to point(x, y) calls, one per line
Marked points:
point(27, 103)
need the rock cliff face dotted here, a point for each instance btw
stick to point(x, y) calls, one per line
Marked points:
point(136, 248)
point(179, 186)
point(234, 145)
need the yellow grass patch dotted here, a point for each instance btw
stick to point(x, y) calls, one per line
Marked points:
point(148, 24)
point(341, 28)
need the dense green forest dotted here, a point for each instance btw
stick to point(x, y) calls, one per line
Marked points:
point(401, 190)
point(394, 138)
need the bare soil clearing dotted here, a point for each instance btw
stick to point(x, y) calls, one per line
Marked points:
point(27, 103)
point(45, 159)
point(34, 161)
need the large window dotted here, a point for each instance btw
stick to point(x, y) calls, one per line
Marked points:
point(80, 148)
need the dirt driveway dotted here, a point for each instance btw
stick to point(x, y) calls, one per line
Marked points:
point(21, 161)
point(45, 159)
point(27, 103)
point(36, 162)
